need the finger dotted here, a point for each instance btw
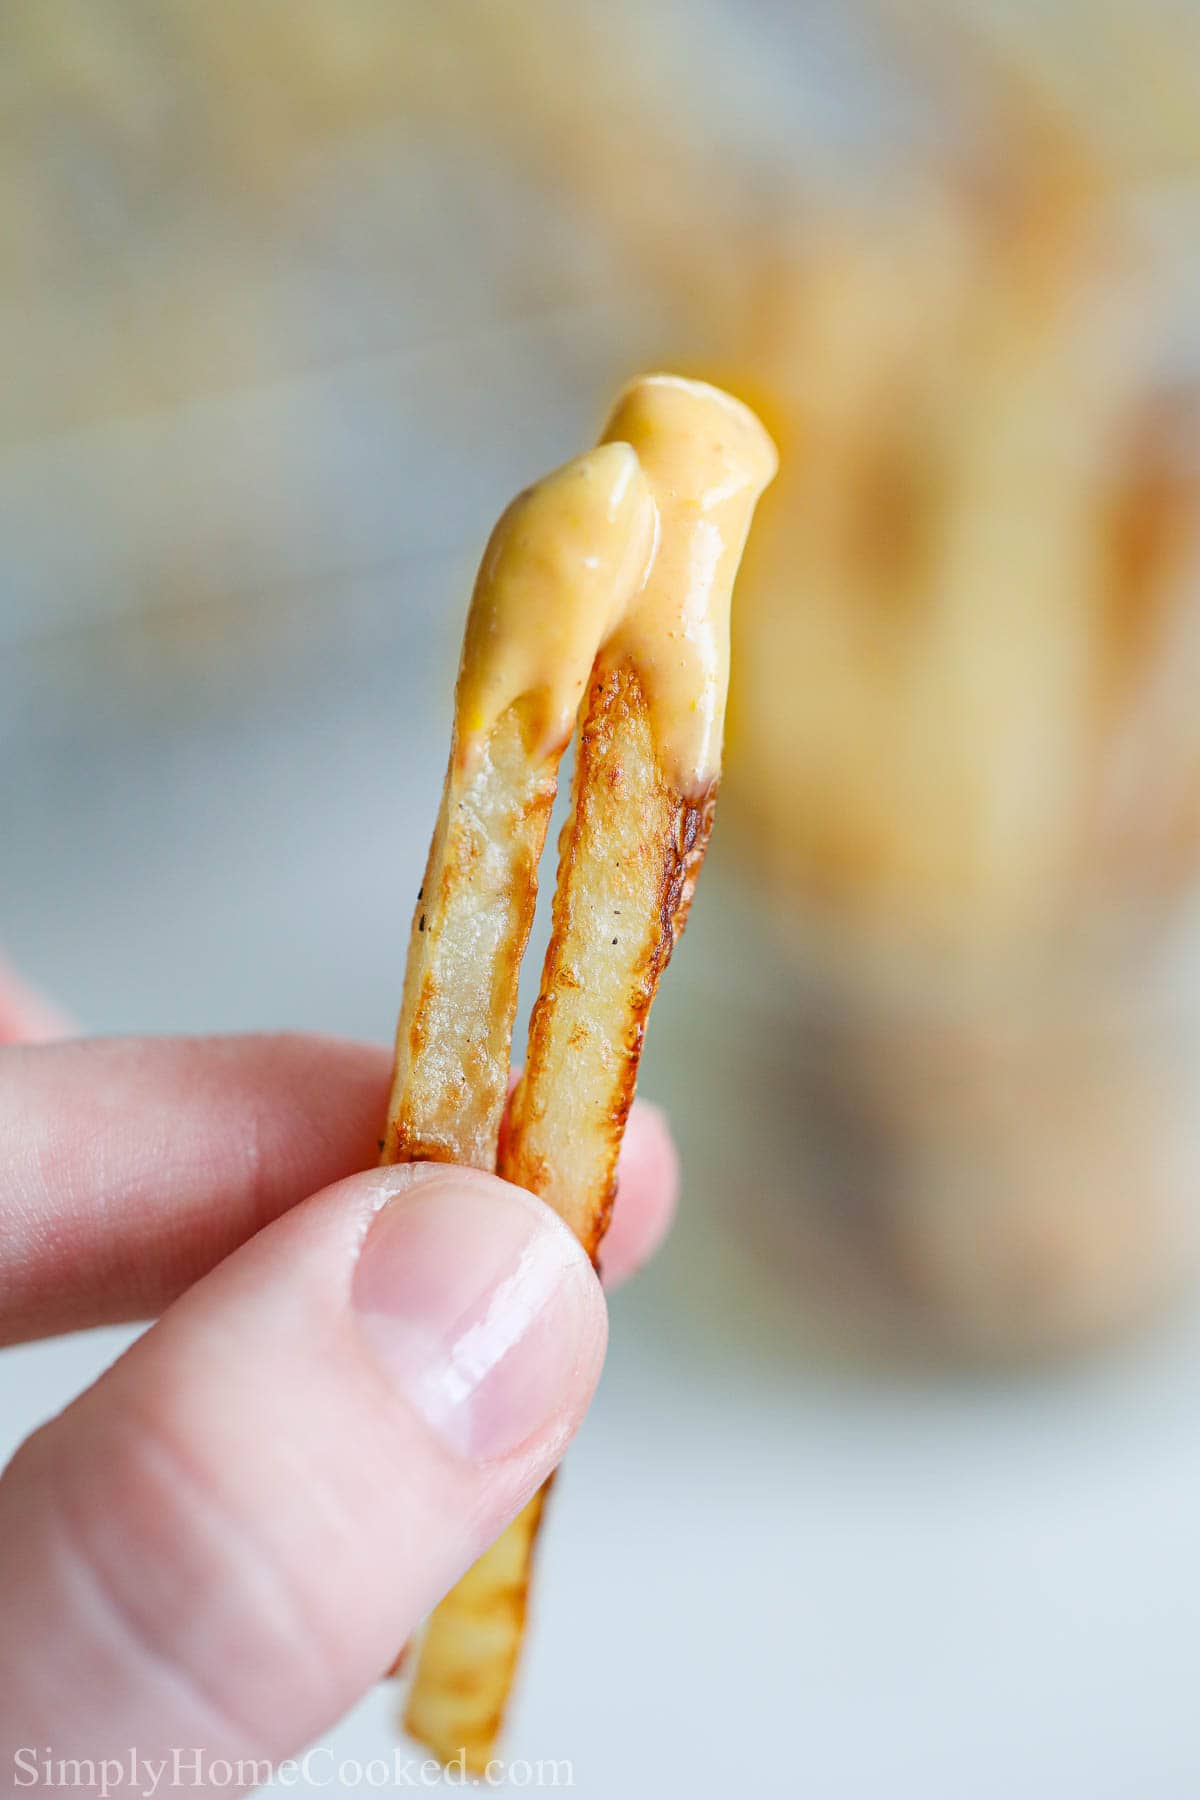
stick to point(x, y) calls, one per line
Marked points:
point(647, 1193)
point(27, 1016)
point(132, 1166)
point(222, 1543)
point(129, 1168)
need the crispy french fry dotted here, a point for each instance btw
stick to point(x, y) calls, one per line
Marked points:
point(476, 902)
point(645, 786)
point(574, 547)
point(472, 919)
point(467, 1657)
point(630, 856)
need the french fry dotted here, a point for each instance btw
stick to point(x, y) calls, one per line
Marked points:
point(475, 905)
point(472, 919)
point(644, 791)
point(568, 1118)
point(467, 1657)
point(476, 902)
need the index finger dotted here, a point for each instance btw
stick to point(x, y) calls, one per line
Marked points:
point(131, 1167)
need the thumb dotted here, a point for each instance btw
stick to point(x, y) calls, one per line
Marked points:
point(225, 1541)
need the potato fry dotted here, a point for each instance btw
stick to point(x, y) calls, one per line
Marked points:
point(475, 905)
point(644, 792)
point(619, 908)
point(469, 930)
point(469, 1651)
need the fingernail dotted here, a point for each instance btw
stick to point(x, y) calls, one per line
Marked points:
point(482, 1308)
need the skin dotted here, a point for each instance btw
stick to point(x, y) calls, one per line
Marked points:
point(173, 1572)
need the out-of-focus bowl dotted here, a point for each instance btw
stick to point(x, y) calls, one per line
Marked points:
point(1000, 1163)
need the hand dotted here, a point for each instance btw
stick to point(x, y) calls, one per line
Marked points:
point(225, 1541)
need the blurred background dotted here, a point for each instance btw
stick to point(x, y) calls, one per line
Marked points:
point(894, 1480)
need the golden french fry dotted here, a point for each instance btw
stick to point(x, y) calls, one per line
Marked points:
point(569, 550)
point(471, 922)
point(575, 544)
point(469, 1651)
point(568, 1117)
point(645, 785)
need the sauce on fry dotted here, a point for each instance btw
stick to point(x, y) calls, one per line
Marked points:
point(707, 459)
point(631, 549)
point(560, 567)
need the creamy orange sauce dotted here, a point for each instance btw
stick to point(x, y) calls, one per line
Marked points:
point(707, 459)
point(561, 566)
point(632, 548)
